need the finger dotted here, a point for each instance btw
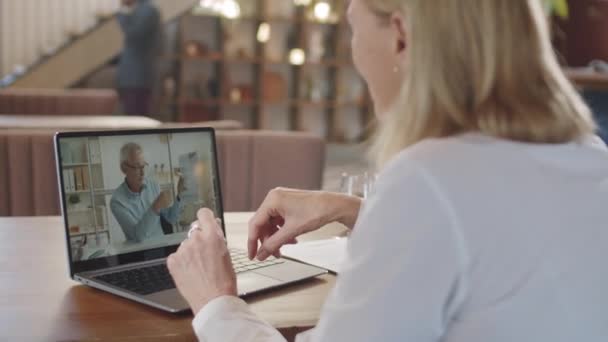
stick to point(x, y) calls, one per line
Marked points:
point(220, 229)
point(183, 245)
point(275, 241)
point(268, 231)
point(212, 224)
point(256, 225)
point(171, 263)
point(206, 219)
point(278, 221)
point(196, 237)
point(268, 209)
point(277, 253)
point(261, 233)
point(265, 233)
point(271, 230)
point(205, 215)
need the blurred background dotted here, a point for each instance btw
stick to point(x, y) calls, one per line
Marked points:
point(272, 65)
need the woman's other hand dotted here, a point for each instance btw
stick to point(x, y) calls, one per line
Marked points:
point(288, 213)
point(201, 267)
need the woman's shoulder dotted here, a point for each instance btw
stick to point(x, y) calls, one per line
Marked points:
point(469, 150)
point(457, 159)
point(475, 159)
point(445, 152)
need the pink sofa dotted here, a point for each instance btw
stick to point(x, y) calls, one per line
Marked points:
point(251, 164)
point(58, 101)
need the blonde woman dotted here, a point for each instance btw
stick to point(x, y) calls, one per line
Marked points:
point(488, 221)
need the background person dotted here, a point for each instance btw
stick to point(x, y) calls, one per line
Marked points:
point(141, 23)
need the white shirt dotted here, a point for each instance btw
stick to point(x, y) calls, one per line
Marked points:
point(466, 239)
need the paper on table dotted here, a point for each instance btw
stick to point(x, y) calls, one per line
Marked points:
point(327, 254)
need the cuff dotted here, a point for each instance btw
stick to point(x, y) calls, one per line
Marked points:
point(215, 309)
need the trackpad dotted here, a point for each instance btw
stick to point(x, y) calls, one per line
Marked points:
point(250, 281)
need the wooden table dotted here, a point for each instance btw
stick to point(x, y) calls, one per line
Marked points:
point(38, 300)
point(77, 122)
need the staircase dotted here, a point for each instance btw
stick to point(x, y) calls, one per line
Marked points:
point(55, 44)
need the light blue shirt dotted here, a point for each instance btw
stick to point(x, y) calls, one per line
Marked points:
point(134, 212)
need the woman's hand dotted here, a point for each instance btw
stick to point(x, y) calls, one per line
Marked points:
point(201, 267)
point(287, 213)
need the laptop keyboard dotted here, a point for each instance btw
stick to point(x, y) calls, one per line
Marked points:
point(241, 262)
point(151, 279)
point(142, 281)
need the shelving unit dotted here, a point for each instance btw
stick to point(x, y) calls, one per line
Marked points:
point(104, 231)
point(79, 164)
point(88, 190)
point(230, 69)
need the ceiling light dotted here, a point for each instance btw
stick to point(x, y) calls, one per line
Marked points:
point(322, 11)
point(231, 9)
point(297, 57)
point(264, 33)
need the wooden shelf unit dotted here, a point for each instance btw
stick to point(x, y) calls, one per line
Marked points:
point(205, 79)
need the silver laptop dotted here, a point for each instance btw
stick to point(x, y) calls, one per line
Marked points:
point(128, 199)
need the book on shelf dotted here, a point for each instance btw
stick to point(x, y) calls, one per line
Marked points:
point(85, 178)
point(95, 151)
point(102, 216)
point(72, 180)
point(78, 178)
point(64, 175)
point(97, 178)
point(68, 180)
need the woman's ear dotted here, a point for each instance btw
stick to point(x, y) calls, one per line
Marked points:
point(398, 27)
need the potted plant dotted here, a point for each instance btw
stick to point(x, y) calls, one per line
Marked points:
point(557, 7)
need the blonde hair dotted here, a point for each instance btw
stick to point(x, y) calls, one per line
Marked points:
point(479, 66)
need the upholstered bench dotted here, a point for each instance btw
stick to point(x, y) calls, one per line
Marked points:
point(251, 164)
point(58, 101)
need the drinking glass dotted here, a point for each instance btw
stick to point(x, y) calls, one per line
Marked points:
point(360, 185)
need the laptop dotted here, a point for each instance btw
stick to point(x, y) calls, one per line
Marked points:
point(119, 232)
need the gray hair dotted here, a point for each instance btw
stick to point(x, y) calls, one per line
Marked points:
point(127, 149)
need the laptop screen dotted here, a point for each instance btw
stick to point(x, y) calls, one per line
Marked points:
point(132, 193)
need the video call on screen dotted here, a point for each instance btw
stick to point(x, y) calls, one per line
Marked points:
point(129, 193)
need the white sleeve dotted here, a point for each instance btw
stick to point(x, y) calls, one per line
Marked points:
point(403, 278)
point(229, 319)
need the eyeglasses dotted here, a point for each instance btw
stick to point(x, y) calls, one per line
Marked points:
point(137, 168)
